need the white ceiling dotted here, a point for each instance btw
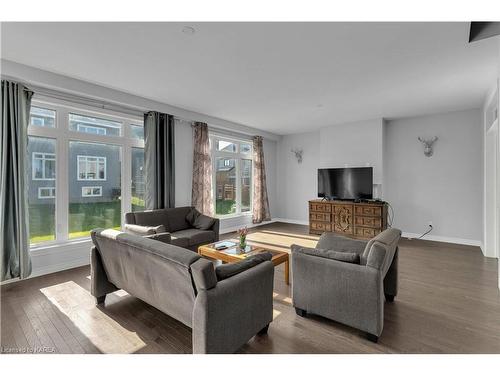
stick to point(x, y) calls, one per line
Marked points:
point(280, 77)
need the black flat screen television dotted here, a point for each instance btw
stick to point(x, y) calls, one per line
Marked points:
point(345, 183)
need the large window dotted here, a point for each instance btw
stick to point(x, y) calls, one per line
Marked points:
point(232, 183)
point(86, 170)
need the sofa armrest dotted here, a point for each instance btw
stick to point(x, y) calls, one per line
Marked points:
point(349, 293)
point(215, 228)
point(163, 237)
point(227, 316)
point(142, 230)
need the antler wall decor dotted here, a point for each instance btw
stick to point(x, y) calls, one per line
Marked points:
point(428, 151)
point(298, 154)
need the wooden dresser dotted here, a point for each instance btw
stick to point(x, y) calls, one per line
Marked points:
point(358, 220)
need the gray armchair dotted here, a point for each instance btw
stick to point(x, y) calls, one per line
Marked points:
point(346, 280)
point(180, 226)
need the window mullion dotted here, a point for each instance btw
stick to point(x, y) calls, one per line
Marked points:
point(62, 177)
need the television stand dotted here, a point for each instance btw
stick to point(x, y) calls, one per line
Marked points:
point(362, 220)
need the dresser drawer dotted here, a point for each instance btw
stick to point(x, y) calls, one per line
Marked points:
point(368, 211)
point(367, 221)
point(320, 207)
point(314, 216)
point(366, 232)
point(319, 226)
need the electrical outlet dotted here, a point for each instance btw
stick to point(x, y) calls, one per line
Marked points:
point(430, 223)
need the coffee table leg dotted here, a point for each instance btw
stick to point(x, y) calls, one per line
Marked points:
point(287, 272)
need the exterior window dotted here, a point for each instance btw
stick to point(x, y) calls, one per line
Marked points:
point(42, 117)
point(138, 182)
point(137, 131)
point(42, 192)
point(46, 192)
point(92, 191)
point(94, 206)
point(94, 125)
point(43, 166)
point(68, 147)
point(90, 129)
point(232, 185)
point(91, 167)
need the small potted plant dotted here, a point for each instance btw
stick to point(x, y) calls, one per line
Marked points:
point(242, 232)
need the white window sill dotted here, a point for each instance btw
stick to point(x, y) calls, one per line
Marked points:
point(53, 245)
point(233, 216)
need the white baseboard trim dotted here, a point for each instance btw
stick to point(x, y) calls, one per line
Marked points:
point(291, 221)
point(235, 228)
point(60, 267)
point(455, 240)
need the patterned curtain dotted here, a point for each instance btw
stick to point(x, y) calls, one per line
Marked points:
point(14, 239)
point(260, 201)
point(159, 155)
point(201, 197)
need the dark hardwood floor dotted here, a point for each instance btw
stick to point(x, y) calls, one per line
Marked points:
point(448, 302)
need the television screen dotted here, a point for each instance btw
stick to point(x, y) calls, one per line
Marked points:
point(345, 183)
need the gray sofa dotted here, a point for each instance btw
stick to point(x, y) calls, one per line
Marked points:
point(345, 280)
point(181, 226)
point(225, 307)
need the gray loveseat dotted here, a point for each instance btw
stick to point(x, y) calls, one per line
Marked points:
point(180, 226)
point(345, 280)
point(225, 307)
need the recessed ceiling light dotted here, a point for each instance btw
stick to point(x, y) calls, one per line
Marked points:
point(188, 30)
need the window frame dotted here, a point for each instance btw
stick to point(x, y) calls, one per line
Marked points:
point(92, 194)
point(52, 188)
point(98, 162)
point(43, 159)
point(62, 134)
point(238, 156)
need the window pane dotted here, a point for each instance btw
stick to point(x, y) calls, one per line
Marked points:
point(94, 125)
point(246, 183)
point(42, 117)
point(225, 176)
point(96, 206)
point(227, 146)
point(245, 148)
point(137, 131)
point(138, 183)
point(41, 192)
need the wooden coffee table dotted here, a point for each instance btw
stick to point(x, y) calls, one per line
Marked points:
point(233, 253)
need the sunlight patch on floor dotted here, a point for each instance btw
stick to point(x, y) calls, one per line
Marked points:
point(276, 313)
point(280, 241)
point(79, 306)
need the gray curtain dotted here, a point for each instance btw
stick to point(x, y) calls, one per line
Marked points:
point(201, 195)
point(159, 153)
point(260, 201)
point(14, 242)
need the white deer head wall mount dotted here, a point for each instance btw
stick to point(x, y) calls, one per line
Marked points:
point(298, 154)
point(428, 151)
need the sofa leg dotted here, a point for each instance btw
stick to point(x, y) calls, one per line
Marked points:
point(100, 300)
point(263, 331)
point(300, 312)
point(389, 298)
point(372, 337)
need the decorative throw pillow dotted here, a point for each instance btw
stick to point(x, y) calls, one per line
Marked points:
point(225, 271)
point(192, 215)
point(203, 222)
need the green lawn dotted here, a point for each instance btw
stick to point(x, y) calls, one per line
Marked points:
point(224, 207)
point(83, 217)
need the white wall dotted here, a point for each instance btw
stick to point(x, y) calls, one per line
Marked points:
point(356, 144)
point(445, 188)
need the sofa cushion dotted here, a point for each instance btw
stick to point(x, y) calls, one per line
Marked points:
point(194, 236)
point(341, 256)
point(192, 215)
point(203, 222)
point(225, 271)
point(179, 241)
point(150, 218)
point(177, 218)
